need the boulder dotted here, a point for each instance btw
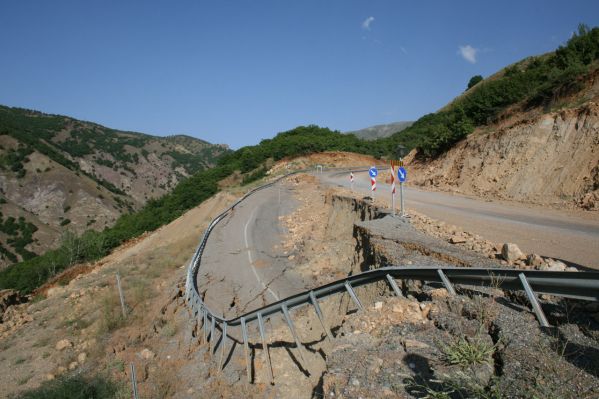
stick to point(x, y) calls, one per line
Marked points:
point(147, 354)
point(457, 239)
point(553, 265)
point(63, 344)
point(534, 260)
point(510, 252)
point(411, 344)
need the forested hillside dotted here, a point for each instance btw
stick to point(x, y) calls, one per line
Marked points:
point(59, 174)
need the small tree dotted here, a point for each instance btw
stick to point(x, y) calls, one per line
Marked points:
point(474, 80)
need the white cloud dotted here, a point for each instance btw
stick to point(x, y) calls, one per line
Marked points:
point(468, 53)
point(367, 22)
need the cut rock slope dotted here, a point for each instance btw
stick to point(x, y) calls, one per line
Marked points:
point(547, 159)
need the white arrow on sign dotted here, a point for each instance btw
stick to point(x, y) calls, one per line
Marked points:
point(401, 174)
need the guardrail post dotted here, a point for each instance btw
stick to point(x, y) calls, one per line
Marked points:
point(205, 326)
point(293, 333)
point(446, 282)
point(212, 325)
point(320, 316)
point(121, 296)
point(532, 297)
point(265, 348)
point(133, 381)
point(394, 286)
point(353, 295)
point(222, 346)
point(246, 349)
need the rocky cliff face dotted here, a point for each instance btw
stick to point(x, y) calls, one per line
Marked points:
point(548, 159)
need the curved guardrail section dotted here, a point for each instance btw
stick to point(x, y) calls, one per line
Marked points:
point(576, 285)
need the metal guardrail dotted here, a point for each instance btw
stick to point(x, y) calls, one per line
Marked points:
point(576, 285)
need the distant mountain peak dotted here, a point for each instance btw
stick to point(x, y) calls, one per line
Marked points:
point(380, 131)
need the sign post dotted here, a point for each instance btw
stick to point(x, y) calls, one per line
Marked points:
point(393, 187)
point(373, 172)
point(351, 180)
point(402, 175)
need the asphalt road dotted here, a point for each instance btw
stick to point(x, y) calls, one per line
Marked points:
point(571, 236)
point(243, 266)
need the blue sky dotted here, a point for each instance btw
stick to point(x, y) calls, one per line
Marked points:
point(236, 72)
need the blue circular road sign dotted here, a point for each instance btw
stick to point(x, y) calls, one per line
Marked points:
point(402, 174)
point(373, 172)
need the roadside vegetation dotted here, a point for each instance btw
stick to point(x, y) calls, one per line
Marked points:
point(533, 81)
point(78, 387)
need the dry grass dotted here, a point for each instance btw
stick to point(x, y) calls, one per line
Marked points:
point(111, 316)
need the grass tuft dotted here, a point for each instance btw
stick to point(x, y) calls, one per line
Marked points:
point(466, 352)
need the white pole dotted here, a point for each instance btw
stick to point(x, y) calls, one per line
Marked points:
point(403, 213)
point(121, 296)
point(373, 191)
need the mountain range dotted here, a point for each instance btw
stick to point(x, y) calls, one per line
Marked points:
point(59, 174)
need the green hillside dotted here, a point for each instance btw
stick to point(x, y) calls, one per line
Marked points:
point(532, 82)
point(60, 174)
point(65, 139)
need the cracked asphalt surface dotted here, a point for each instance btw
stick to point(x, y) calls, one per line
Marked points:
point(244, 266)
point(571, 236)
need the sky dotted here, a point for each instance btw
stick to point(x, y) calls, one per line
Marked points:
point(237, 72)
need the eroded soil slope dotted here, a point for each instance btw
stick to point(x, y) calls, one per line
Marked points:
point(551, 158)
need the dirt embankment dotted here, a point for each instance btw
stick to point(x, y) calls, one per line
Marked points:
point(547, 159)
point(335, 159)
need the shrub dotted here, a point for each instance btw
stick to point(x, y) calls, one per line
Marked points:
point(77, 387)
point(473, 81)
